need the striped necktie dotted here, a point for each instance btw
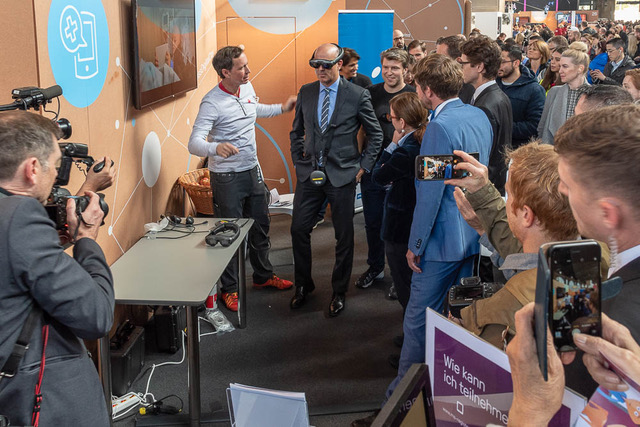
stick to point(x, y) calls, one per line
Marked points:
point(324, 116)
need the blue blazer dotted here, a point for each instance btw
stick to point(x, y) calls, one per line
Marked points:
point(438, 231)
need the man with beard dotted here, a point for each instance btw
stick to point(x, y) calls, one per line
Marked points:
point(394, 67)
point(526, 95)
point(398, 40)
point(480, 63)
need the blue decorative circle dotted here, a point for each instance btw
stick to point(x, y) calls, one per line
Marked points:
point(78, 40)
point(276, 16)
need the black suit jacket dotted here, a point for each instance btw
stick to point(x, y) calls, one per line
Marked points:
point(625, 307)
point(352, 110)
point(497, 107)
point(76, 294)
point(398, 171)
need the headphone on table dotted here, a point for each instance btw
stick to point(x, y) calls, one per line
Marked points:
point(220, 234)
point(176, 221)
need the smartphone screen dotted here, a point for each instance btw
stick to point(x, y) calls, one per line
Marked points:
point(439, 167)
point(575, 299)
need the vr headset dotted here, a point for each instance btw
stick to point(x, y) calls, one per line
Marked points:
point(325, 63)
point(225, 233)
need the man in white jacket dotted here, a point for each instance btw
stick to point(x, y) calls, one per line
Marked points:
point(224, 131)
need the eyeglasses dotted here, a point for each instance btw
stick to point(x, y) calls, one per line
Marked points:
point(505, 62)
point(324, 63)
point(461, 62)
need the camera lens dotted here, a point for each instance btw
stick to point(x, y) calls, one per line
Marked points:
point(65, 127)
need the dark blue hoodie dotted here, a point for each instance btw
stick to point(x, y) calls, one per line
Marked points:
point(527, 102)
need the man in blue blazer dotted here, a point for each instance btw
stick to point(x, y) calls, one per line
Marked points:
point(442, 246)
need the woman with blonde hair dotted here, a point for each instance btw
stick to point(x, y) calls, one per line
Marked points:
point(581, 46)
point(538, 53)
point(561, 100)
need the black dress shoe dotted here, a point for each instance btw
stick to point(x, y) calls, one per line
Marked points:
point(337, 305)
point(298, 299)
point(392, 294)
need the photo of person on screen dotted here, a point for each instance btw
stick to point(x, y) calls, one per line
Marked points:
point(180, 54)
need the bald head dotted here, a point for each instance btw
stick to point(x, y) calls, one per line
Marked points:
point(398, 39)
point(328, 52)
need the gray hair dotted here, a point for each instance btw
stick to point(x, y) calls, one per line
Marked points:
point(24, 135)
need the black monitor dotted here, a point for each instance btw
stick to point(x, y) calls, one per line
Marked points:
point(164, 49)
point(411, 404)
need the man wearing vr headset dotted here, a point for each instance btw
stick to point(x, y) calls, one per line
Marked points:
point(324, 150)
point(224, 131)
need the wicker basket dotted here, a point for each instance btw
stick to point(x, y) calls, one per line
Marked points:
point(201, 195)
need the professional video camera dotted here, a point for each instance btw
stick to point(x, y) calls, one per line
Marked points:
point(469, 290)
point(34, 97)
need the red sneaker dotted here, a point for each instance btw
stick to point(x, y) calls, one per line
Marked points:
point(276, 282)
point(230, 300)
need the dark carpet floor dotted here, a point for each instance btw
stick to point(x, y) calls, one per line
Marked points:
point(340, 363)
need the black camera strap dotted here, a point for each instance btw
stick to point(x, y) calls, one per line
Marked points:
point(21, 346)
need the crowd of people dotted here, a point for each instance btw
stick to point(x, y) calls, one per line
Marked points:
point(561, 149)
point(534, 91)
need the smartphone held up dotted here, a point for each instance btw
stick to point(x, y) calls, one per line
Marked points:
point(568, 295)
point(574, 301)
point(438, 167)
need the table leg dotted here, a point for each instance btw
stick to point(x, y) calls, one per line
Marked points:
point(105, 372)
point(193, 351)
point(242, 286)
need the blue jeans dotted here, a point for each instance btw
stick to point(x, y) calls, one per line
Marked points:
point(428, 289)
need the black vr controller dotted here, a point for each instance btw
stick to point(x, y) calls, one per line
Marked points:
point(97, 168)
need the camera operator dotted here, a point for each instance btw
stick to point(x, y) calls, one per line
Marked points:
point(535, 212)
point(75, 295)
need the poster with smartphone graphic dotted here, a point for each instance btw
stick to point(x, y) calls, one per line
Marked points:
point(78, 42)
point(471, 379)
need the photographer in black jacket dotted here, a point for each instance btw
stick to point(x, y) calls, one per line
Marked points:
point(72, 298)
